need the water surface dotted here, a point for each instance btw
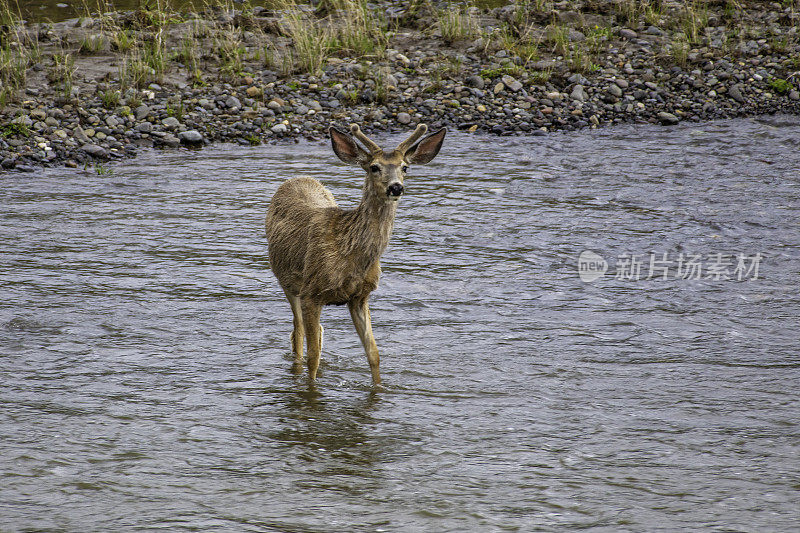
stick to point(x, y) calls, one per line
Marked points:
point(145, 366)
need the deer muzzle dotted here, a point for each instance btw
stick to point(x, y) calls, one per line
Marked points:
point(394, 191)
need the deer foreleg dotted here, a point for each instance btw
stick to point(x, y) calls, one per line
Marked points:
point(311, 313)
point(359, 310)
point(298, 333)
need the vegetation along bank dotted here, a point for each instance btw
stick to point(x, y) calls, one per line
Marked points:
point(109, 83)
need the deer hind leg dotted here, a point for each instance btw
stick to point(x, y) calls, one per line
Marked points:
point(311, 313)
point(359, 311)
point(298, 333)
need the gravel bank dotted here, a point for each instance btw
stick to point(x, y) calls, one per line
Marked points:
point(604, 69)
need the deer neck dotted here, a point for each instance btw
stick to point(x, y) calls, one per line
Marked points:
point(369, 227)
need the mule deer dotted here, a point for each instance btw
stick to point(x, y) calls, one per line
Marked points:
point(324, 255)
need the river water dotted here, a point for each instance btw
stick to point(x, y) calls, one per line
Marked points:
point(145, 367)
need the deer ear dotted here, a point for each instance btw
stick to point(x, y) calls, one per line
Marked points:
point(426, 149)
point(346, 148)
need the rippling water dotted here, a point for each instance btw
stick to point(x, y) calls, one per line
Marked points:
point(145, 362)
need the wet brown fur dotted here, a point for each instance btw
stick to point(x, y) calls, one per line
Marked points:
point(325, 255)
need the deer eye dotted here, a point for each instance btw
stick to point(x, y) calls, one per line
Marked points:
point(404, 168)
point(375, 168)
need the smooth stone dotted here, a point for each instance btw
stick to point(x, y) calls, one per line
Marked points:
point(95, 150)
point(170, 140)
point(232, 102)
point(736, 93)
point(171, 123)
point(578, 93)
point(667, 118)
point(279, 128)
point(511, 83)
point(79, 135)
point(141, 112)
point(475, 82)
point(628, 34)
point(403, 118)
point(191, 137)
point(615, 90)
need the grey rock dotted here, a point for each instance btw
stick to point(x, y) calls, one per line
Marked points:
point(475, 82)
point(8, 163)
point(794, 95)
point(279, 128)
point(403, 118)
point(625, 33)
point(112, 121)
point(144, 127)
point(191, 137)
point(579, 79)
point(736, 93)
point(654, 30)
point(23, 120)
point(80, 135)
point(141, 112)
point(575, 35)
point(170, 140)
point(615, 90)
point(171, 123)
point(667, 118)
point(622, 84)
point(232, 102)
point(511, 83)
point(578, 93)
point(95, 150)
point(301, 109)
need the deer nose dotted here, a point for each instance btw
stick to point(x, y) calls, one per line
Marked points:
point(395, 189)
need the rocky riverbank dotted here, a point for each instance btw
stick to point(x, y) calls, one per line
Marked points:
point(96, 88)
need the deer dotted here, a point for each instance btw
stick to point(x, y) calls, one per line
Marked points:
point(324, 255)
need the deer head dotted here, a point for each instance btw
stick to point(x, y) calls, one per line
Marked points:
point(386, 169)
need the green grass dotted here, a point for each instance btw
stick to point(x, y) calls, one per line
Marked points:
point(457, 23)
point(14, 129)
point(312, 42)
point(679, 50)
point(558, 37)
point(110, 98)
point(357, 29)
point(780, 86)
point(511, 70)
point(62, 72)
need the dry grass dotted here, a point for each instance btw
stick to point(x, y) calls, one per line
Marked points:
point(457, 23)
